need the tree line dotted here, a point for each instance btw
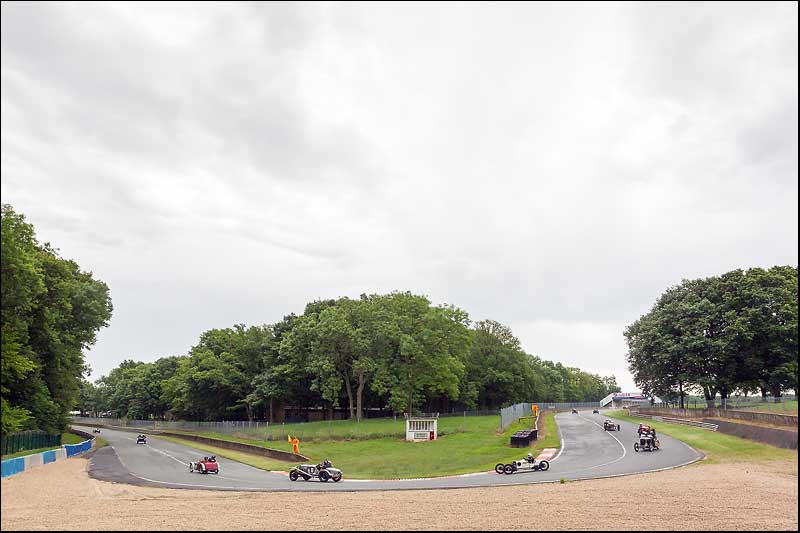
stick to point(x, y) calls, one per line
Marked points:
point(395, 352)
point(736, 332)
point(50, 312)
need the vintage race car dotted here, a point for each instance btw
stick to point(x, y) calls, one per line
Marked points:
point(595, 411)
point(206, 465)
point(141, 439)
point(609, 425)
point(648, 442)
point(96, 430)
point(574, 411)
point(526, 464)
point(323, 471)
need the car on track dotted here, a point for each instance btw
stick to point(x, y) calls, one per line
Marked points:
point(609, 425)
point(595, 411)
point(574, 411)
point(206, 465)
point(648, 442)
point(96, 430)
point(526, 464)
point(141, 439)
point(323, 471)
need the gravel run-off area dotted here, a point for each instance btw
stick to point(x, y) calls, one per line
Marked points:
point(702, 496)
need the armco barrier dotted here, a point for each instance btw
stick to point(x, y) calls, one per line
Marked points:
point(20, 464)
point(745, 416)
point(9, 467)
point(238, 446)
point(75, 449)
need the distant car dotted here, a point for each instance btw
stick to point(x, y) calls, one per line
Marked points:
point(141, 439)
point(574, 411)
point(206, 465)
point(595, 411)
point(528, 463)
point(323, 471)
point(96, 430)
point(609, 425)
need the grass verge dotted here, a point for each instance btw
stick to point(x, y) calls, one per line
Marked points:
point(718, 447)
point(477, 447)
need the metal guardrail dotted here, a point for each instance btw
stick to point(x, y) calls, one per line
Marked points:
point(682, 421)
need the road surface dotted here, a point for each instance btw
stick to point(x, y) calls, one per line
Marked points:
point(587, 452)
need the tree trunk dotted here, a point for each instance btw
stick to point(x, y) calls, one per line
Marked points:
point(359, 395)
point(763, 393)
point(776, 393)
point(349, 395)
point(410, 392)
point(680, 388)
point(709, 394)
point(723, 397)
point(271, 417)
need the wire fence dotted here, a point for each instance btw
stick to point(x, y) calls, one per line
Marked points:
point(783, 403)
point(27, 440)
point(509, 415)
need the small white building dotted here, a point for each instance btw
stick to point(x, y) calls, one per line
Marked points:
point(423, 427)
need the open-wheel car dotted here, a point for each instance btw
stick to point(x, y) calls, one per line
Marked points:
point(141, 439)
point(323, 471)
point(609, 425)
point(648, 442)
point(206, 465)
point(527, 464)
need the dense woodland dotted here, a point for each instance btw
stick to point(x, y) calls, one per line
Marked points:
point(394, 352)
point(731, 333)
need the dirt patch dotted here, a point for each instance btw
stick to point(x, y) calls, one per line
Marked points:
point(700, 497)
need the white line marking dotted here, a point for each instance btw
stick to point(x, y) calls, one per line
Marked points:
point(624, 451)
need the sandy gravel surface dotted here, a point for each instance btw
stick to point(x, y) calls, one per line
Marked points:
point(702, 496)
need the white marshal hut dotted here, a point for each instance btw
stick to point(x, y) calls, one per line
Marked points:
point(422, 427)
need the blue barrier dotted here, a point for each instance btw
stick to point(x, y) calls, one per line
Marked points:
point(17, 465)
point(9, 467)
point(75, 449)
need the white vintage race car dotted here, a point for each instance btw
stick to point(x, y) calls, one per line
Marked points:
point(527, 464)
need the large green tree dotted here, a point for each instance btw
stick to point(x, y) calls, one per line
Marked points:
point(51, 311)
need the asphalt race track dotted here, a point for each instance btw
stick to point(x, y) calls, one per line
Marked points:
point(587, 452)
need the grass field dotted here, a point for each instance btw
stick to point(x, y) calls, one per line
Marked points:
point(718, 447)
point(473, 447)
point(783, 407)
point(66, 438)
point(752, 404)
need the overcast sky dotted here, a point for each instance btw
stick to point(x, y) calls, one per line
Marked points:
point(554, 167)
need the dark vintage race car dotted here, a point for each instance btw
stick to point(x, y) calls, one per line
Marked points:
point(323, 471)
point(141, 439)
point(206, 465)
point(574, 411)
point(96, 430)
point(527, 464)
point(648, 442)
point(595, 411)
point(609, 425)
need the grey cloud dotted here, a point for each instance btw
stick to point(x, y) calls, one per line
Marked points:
point(550, 167)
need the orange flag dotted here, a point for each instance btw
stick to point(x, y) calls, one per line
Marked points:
point(289, 439)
